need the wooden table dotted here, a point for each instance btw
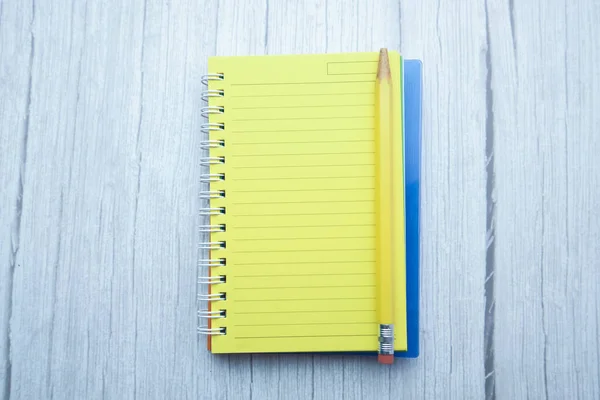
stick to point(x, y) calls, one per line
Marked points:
point(99, 178)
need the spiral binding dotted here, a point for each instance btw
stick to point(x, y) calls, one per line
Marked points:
point(211, 126)
point(212, 245)
point(212, 280)
point(212, 314)
point(212, 93)
point(212, 144)
point(212, 297)
point(205, 315)
point(212, 211)
point(211, 77)
point(212, 331)
point(206, 111)
point(213, 228)
point(212, 177)
point(212, 160)
point(212, 194)
point(212, 263)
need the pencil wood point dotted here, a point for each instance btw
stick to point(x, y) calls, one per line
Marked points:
point(383, 68)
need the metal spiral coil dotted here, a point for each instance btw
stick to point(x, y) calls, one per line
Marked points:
point(214, 174)
point(206, 94)
point(212, 210)
point(212, 245)
point(212, 314)
point(219, 262)
point(206, 111)
point(212, 144)
point(212, 280)
point(212, 126)
point(211, 77)
point(212, 331)
point(212, 228)
point(212, 177)
point(212, 160)
point(212, 194)
point(212, 297)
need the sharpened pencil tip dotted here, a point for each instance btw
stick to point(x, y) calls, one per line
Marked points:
point(383, 68)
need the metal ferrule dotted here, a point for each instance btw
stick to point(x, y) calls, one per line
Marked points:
point(386, 339)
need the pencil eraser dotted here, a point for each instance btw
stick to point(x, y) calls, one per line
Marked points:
point(385, 359)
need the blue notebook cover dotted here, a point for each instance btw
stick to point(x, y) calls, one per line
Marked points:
point(412, 176)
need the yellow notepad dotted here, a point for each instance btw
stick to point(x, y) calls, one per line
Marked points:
point(292, 212)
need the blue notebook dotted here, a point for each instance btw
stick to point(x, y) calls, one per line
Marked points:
point(412, 176)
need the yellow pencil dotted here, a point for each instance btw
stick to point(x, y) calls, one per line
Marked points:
point(384, 208)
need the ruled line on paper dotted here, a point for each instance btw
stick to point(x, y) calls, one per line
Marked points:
point(303, 214)
point(262, 238)
point(301, 190)
point(233, 143)
point(308, 262)
point(301, 202)
point(300, 311)
point(303, 166)
point(365, 227)
point(350, 322)
point(303, 336)
point(299, 83)
point(308, 238)
point(300, 177)
point(301, 118)
point(311, 274)
point(311, 106)
point(304, 274)
point(300, 226)
point(302, 287)
point(303, 94)
point(302, 154)
point(301, 299)
point(252, 227)
point(296, 194)
point(295, 251)
point(302, 130)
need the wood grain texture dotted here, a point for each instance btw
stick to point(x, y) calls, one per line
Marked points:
point(450, 39)
point(15, 91)
point(99, 151)
point(104, 284)
point(548, 189)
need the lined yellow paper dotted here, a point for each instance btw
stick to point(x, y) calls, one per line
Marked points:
point(300, 213)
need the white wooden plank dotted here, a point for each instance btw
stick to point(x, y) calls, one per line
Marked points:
point(545, 111)
point(103, 301)
point(165, 213)
point(102, 252)
point(66, 327)
point(15, 68)
point(450, 39)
